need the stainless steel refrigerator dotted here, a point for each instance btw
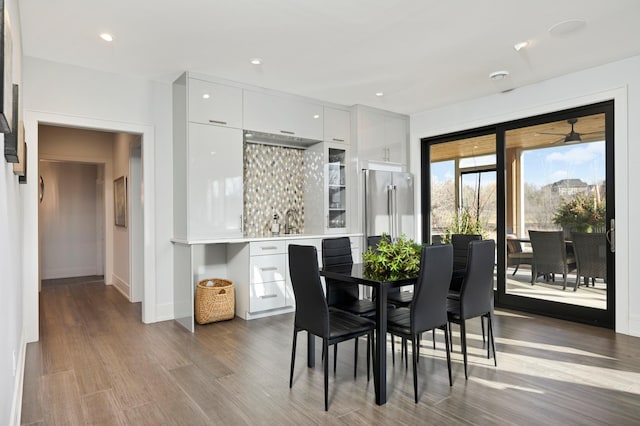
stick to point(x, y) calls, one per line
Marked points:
point(388, 203)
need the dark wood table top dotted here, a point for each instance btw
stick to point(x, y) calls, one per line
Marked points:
point(356, 274)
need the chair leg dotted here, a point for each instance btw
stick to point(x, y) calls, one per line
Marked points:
point(434, 338)
point(415, 368)
point(450, 334)
point(463, 340)
point(293, 356)
point(355, 360)
point(393, 350)
point(369, 344)
point(482, 325)
point(516, 270)
point(418, 347)
point(326, 375)
point(448, 349)
point(335, 357)
point(406, 353)
point(492, 338)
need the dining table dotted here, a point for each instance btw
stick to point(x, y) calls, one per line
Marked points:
point(356, 273)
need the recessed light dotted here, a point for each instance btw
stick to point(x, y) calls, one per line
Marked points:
point(316, 116)
point(248, 135)
point(521, 45)
point(379, 94)
point(256, 61)
point(106, 37)
point(499, 75)
point(206, 96)
point(567, 27)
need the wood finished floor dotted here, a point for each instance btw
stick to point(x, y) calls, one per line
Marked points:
point(96, 363)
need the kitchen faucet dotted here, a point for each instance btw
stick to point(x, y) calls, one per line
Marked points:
point(289, 216)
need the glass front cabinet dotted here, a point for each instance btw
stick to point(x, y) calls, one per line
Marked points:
point(326, 195)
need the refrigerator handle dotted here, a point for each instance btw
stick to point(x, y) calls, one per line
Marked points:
point(396, 225)
point(390, 210)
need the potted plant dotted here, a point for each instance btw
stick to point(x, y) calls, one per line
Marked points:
point(393, 259)
point(582, 213)
point(463, 223)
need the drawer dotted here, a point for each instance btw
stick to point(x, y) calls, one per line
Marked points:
point(268, 268)
point(267, 247)
point(266, 296)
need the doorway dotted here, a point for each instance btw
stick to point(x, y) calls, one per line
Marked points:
point(553, 173)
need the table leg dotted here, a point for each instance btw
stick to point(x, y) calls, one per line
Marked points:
point(380, 364)
point(311, 350)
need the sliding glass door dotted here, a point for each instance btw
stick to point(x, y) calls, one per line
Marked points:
point(549, 176)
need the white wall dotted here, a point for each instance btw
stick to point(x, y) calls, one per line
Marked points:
point(11, 255)
point(68, 241)
point(74, 96)
point(85, 146)
point(619, 81)
point(121, 271)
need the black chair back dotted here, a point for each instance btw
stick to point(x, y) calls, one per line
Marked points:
point(337, 251)
point(460, 244)
point(477, 285)
point(374, 240)
point(429, 306)
point(312, 313)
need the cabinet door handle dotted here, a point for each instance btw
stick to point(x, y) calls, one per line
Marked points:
point(338, 140)
point(268, 248)
point(269, 268)
point(268, 296)
point(287, 132)
point(217, 122)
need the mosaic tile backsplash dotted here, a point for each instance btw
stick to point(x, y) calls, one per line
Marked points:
point(273, 179)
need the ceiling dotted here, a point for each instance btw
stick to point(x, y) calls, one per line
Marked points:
point(552, 134)
point(421, 53)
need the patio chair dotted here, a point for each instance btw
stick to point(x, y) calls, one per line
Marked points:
point(591, 257)
point(515, 255)
point(550, 255)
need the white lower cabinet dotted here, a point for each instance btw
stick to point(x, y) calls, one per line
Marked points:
point(259, 271)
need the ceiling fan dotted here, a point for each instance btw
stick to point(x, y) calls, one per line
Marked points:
point(572, 136)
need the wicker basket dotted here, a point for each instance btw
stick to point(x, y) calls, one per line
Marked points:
point(214, 302)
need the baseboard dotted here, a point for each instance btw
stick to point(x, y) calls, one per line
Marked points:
point(164, 312)
point(18, 384)
point(634, 325)
point(121, 286)
point(80, 271)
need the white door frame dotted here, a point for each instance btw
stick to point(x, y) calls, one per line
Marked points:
point(31, 253)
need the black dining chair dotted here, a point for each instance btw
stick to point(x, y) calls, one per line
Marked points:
point(460, 243)
point(476, 295)
point(314, 316)
point(428, 309)
point(337, 251)
point(343, 296)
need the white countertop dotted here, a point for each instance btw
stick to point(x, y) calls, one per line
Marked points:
point(248, 239)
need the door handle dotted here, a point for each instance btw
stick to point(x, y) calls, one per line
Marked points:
point(611, 236)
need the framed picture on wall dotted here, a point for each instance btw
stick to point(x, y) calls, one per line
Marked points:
point(120, 201)
point(6, 68)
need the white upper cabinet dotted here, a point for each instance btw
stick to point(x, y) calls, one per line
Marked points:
point(337, 125)
point(282, 116)
point(214, 186)
point(382, 137)
point(211, 103)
